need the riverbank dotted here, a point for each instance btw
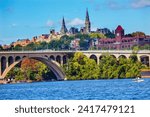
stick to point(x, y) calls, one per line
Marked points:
point(14, 82)
point(145, 74)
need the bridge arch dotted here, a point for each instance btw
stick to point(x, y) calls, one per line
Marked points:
point(52, 57)
point(17, 58)
point(94, 57)
point(113, 56)
point(10, 60)
point(3, 63)
point(24, 56)
point(58, 59)
point(102, 56)
point(145, 59)
point(52, 65)
point(122, 56)
point(133, 57)
point(64, 59)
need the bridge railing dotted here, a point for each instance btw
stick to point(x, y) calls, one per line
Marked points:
point(73, 51)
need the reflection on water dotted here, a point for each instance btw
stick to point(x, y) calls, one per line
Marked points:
point(78, 90)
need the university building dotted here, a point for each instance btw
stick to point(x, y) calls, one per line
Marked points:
point(120, 42)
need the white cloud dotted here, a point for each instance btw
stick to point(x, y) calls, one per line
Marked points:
point(14, 25)
point(141, 3)
point(50, 23)
point(113, 4)
point(76, 22)
point(93, 28)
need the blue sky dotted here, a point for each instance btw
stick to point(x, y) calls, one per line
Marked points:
point(21, 19)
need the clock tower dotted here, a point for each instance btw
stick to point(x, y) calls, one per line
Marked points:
point(119, 33)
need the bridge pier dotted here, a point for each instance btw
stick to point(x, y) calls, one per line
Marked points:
point(98, 60)
point(139, 59)
point(7, 64)
point(61, 60)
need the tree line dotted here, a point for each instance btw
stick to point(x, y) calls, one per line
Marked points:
point(81, 67)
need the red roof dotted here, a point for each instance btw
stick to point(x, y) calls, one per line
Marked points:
point(119, 28)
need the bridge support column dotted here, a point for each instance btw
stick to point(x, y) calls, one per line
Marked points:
point(61, 62)
point(7, 63)
point(98, 60)
point(138, 57)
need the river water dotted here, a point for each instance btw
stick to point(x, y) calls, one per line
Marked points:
point(122, 89)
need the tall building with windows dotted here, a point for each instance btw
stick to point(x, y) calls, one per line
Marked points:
point(87, 23)
point(63, 27)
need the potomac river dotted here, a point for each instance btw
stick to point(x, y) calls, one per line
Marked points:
point(122, 89)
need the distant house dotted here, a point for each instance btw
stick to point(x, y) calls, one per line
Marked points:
point(103, 31)
point(21, 42)
point(75, 44)
point(5, 47)
point(73, 30)
point(54, 35)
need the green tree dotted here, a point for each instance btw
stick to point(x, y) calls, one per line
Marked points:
point(110, 35)
point(81, 68)
point(18, 47)
point(139, 34)
point(97, 35)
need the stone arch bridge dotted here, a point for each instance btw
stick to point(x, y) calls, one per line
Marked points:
point(55, 59)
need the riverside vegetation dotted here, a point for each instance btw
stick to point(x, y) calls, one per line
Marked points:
point(79, 67)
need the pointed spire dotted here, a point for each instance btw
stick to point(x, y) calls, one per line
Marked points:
point(63, 27)
point(63, 21)
point(87, 15)
point(87, 23)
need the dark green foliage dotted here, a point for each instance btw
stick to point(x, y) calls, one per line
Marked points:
point(80, 67)
point(110, 35)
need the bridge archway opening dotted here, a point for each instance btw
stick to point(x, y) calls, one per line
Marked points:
point(58, 59)
point(52, 65)
point(3, 64)
point(64, 59)
point(101, 57)
point(133, 58)
point(122, 56)
point(145, 60)
point(24, 57)
point(52, 57)
point(17, 58)
point(46, 56)
point(10, 60)
point(113, 56)
point(94, 57)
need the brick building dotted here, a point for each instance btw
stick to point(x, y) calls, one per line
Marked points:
point(122, 42)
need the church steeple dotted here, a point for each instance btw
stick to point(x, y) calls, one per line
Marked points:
point(63, 27)
point(87, 23)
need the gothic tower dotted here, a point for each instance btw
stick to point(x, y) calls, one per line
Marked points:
point(63, 27)
point(87, 23)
